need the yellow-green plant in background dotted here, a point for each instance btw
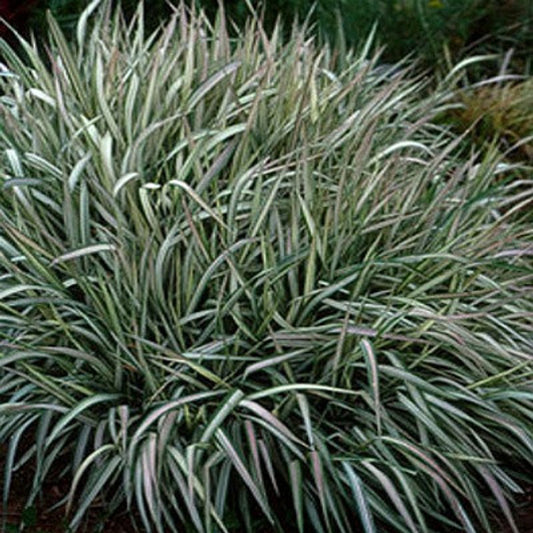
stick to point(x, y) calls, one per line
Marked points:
point(501, 112)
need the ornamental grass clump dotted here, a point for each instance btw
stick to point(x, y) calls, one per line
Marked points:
point(501, 113)
point(248, 285)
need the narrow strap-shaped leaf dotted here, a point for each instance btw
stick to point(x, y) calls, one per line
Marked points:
point(295, 474)
point(100, 478)
point(78, 410)
point(221, 414)
point(211, 82)
point(82, 252)
point(243, 472)
point(365, 514)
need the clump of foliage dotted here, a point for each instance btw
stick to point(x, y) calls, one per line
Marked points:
point(501, 112)
point(247, 284)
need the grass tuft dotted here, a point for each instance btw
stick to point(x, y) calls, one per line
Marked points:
point(246, 285)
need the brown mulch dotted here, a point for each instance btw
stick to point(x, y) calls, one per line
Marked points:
point(45, 516)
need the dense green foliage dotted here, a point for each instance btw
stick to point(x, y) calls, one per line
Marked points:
point(247, 284)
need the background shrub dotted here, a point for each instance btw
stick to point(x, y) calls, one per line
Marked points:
point(422, 27)
point(501, 113)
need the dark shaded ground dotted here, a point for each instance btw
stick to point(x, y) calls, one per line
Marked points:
point(524, 514)
point(43, 518)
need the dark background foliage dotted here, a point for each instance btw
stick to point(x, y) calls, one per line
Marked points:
point(424, 27)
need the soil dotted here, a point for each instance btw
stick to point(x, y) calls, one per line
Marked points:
point(45, 516)
point(523, 513)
